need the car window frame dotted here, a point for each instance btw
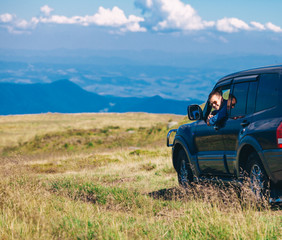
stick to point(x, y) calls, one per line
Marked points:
point(243, 79)
point(222, 84)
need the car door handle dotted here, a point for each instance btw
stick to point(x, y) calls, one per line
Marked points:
point(245, 123)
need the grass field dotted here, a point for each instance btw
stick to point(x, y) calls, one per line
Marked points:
point(110, 176)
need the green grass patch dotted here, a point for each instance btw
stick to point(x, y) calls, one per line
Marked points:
point(74, 140)
point(82, 207)
point(113, 197)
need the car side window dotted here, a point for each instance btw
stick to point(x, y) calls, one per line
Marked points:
point(239, 95)
point(267, 94)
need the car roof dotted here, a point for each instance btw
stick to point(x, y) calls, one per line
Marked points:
point(253, 71)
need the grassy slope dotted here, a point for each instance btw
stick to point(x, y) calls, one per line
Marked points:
point(109, 176)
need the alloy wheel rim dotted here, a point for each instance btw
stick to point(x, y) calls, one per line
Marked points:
point(256, 177)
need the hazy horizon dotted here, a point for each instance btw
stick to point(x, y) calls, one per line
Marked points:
point(176, 49)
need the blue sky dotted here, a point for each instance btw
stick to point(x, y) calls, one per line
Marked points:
point(177, 25)
point(221, 35)
point(251, 10)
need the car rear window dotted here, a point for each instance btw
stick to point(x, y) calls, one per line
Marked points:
point(267, 94)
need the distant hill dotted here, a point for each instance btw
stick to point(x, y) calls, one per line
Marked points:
point(66, 97)
point(154, 104)
point(60, 96)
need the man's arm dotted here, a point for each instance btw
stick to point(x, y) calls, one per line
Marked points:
point(219, 116)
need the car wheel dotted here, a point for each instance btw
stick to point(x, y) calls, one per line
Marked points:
point(258, 179)
point(184, 172)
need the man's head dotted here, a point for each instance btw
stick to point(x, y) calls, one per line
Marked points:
point(231, 101)
point(215, 99)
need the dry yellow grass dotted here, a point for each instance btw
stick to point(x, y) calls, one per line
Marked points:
point(21, 128)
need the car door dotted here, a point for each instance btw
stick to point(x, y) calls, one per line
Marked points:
point(241, 106)
point(209, 142)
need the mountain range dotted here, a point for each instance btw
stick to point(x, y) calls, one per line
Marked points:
point(64, 96)
point(172, 75)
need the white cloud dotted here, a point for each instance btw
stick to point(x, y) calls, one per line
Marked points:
point(231, 25)
point(104, 17)
point(258, 26)
point(60, 19)
point(46, 10)
point(108, 17)
point(273, 27)
point(13, 30)
point(159, 15)
point(115, 18)
point(175, 15)
point(172, 15)
point(23, 24)
point(15, 25)
point(5, 18)
point(133, 27)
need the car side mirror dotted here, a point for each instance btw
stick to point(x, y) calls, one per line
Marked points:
point(195, 112)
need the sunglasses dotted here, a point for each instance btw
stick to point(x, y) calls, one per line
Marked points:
point(214, 103)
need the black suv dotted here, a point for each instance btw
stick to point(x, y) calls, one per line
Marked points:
point(248, 141)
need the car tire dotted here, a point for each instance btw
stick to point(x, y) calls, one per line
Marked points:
point(258, 179)
point(184, 172)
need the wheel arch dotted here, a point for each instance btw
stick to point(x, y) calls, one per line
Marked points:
point(244, 153)
point(249, 145)
point(179, 144)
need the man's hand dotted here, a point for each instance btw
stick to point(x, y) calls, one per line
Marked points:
point(208, 119)
point(210, 116)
